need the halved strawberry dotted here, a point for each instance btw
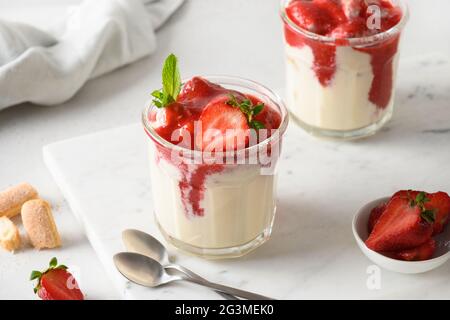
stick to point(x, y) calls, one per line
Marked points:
point(420, 253)
point(199, 88)
point(410, 194)
point(438, 202)
point(223, 127)
point(56, 283)
point(172, 115)
point(403, 225)
point(174, 122)
point(375, 215)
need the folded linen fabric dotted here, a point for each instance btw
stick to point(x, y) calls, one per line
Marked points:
point(96, 37)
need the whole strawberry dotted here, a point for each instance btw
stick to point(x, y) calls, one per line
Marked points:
point(56, 283)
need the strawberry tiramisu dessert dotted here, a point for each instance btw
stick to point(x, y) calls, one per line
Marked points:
point(342, 58)
point(214, 146)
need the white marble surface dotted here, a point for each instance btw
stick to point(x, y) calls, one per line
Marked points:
point(116, 99)
point(312, 253)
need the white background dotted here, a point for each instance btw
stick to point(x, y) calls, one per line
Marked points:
point(238, 37)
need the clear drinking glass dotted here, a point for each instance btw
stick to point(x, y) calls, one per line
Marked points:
point(349, 97)
point(222, 205)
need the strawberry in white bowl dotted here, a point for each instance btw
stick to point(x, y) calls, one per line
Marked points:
point(407, 232)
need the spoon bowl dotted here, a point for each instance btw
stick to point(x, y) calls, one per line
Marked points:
point(361, 233)
point(142, 270)
point(140, 242)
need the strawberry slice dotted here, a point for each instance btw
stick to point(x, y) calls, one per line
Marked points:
point(410, 194)
point(403, 225)
point(420, 253)
point(375, 215)
point(56, 283)
point(174, 124)
point(199, 89)
point(224, 127)
point(438, 202)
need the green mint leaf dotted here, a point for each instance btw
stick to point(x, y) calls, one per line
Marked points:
point(258, 108)
point(429, 216)
point(158, 94)
point(421, 198)
point(62, 266)
point(53, 263)
point(232, 101)
point(171, 83)
point(247, 108)
point(171, 79)
point(35, 275)
point(246, 104)
point(257, 125)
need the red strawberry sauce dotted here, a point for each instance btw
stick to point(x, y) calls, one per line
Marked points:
point(328, 18)
point(181, 115)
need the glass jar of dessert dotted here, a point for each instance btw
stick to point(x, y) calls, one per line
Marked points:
point(213, 156)
point(341, 63)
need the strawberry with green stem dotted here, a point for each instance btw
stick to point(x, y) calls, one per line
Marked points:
point(56, 283)
point(171, 81)
point(405, 224)
point(248, 109)
point(438, 203)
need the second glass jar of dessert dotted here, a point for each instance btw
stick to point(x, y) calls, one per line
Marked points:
point(341, 63)
point(220, 204)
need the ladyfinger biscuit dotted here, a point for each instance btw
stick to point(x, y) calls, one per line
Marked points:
point(12, 199)
point(39, 224)
point(9, 234)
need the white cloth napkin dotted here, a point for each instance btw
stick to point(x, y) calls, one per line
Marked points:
point(49, 67)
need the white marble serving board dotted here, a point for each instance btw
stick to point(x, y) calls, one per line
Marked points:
point(312, 253)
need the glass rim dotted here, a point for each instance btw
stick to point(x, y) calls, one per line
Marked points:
point(352, 42)
point(224, 80)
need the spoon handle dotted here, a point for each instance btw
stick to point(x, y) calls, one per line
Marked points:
point(229, 290)
point(191, 274)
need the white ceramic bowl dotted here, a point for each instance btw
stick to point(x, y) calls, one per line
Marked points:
point(359, 226)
